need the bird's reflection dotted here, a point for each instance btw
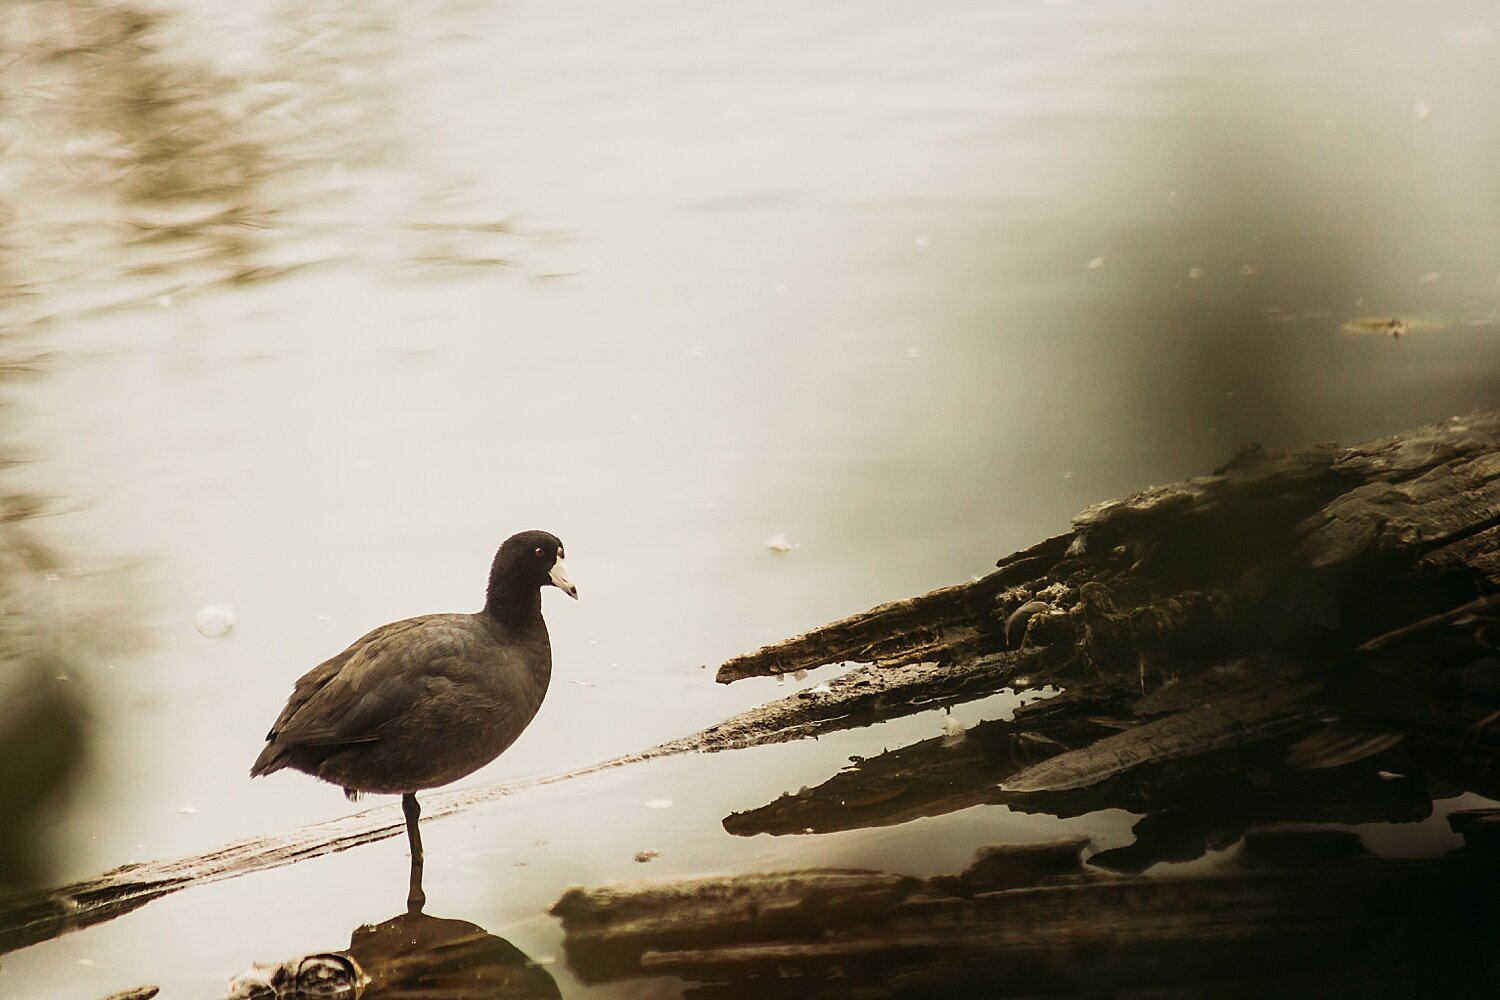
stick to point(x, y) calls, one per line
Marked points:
point(407, 957)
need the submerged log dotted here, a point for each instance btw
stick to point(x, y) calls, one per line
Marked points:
point(1300, 913)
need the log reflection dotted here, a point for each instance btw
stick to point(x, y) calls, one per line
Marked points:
point(1188, 807)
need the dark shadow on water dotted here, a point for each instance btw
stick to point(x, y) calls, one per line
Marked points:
point(410, 956)
point(54, 628)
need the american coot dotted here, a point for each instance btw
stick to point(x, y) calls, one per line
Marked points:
point(422, 702)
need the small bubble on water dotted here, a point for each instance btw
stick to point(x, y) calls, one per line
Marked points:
point(214, 621)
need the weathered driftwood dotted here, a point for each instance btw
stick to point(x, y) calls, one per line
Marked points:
point(1303, 913)
point(1355, 586)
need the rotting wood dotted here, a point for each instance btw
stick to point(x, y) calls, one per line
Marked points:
point(1335, 505)
point(1275, 574)
point(1296, 913)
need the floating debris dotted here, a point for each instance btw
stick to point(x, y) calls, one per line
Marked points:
point(643, 857)
point(188, 810)
point(214, 621)
point(1389, 326)
point(779, 543)
point(1430, 278)
point(139, 993)
point(1096, 263)
point(953, 731)
point(1422, 111)
point(1195, 273)
point(658, 803)
point(1246, 270)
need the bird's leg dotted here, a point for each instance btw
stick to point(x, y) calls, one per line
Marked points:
point(415, 897)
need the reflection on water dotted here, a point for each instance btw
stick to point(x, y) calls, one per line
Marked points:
point(55, 625)
point(1183, 812)
point(409, 956)
point(142, 163)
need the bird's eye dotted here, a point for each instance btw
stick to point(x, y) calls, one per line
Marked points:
point(540, 553)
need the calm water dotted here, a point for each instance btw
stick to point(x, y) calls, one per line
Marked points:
point(324, 299)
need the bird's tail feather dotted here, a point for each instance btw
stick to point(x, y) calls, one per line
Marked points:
point(272, 758)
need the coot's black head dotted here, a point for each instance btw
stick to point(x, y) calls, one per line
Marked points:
point(526, 563)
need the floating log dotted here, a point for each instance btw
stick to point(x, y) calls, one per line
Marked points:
point(1345, 599)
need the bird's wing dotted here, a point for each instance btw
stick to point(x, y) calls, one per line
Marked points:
point(350, 698)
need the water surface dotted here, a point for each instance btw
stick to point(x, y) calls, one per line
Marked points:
point(329, 298)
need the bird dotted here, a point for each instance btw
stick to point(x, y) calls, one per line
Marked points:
point(425, 701)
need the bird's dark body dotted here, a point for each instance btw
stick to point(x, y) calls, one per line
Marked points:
point(414, 704)
point(425, 701)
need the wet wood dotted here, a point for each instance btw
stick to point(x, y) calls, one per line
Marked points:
point(1241, 607)
point(1234, 719)
point(411, 956)
point(935, 627)
point(1304, 911)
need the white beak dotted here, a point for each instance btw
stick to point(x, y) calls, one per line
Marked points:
point(559, 577)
